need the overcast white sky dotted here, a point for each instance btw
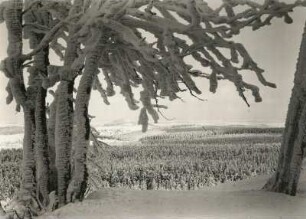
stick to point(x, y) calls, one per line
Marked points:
point(274, 48)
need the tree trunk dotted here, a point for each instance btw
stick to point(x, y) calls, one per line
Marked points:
point(51, 143)
point(41, 148)
point(40, 66)
point(28, 161)
point(13, 18)
point(64, 116)
point(288, 171)
point(81, 129)
point(63, 136)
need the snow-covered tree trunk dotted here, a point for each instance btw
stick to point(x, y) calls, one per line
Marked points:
point(63, 127)
point(28, 161)
point(63, 134)
point(13, 64)
point(81, 129)
point(293, 145)
point(51, 143)
point(64, 115)
point(39, 69)
point(41, 136)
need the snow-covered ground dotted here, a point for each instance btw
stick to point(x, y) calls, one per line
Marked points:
point(11, 141)
point(118, 134)
point(239, 200)
point(127, 133)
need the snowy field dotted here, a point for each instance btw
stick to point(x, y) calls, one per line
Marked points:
point(11, 141)
point(232, 200)
point(11, 136)
point(127, 133)
point(119, 134)
point(122, 134)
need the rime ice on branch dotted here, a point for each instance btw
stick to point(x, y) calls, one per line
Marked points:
point(160, 66)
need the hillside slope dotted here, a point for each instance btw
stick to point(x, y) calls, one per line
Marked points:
point(230, 200)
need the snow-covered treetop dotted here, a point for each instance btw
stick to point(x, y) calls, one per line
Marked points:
point(129, 59)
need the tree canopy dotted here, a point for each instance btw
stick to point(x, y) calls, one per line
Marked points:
point(128, 60)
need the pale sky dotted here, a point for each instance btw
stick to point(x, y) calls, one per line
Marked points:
point(275, 49)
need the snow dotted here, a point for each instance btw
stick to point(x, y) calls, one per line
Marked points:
point(117, 134)
point(239, 200)
point(127, 134)
point(11, 141)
